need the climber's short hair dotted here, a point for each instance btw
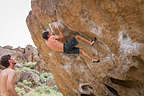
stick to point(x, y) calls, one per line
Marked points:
point(5, 60)
point(45, 35)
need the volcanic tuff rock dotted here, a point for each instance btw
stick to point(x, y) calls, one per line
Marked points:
point(118, 26)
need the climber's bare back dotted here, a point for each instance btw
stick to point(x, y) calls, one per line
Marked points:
point(7, 77)
point(54, 44)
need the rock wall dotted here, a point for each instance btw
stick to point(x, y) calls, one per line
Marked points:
point(118, 26)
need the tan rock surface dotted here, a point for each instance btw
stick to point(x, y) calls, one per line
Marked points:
point(118, 25)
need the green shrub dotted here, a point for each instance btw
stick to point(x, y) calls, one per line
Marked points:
point(28, 83)
point(30, 65)
point(46, 76)
point(20, 91)
point(43, 90)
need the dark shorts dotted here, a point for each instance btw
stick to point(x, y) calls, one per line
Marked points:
point(69, 46)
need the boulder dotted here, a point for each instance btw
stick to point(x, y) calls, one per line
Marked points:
point(31, 54)
point(29, 76)
point(117, 25)
point(8, 47)
point(20, 49)
point(4, 51)
point(40, 66)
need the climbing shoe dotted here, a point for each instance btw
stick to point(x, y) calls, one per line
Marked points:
point(95, 60)
point(93, 40)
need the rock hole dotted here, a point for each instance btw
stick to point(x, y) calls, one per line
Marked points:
point(124, 83)
point(63, 64)
point(125, 37)
point(132, 69)
point(112, 90)
point(138, 59)
point(85, 89)
point(86, 95)
point(130, 27)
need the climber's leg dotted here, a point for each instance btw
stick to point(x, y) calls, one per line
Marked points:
point(94, 60)
point(84, 54)
point(78, 37)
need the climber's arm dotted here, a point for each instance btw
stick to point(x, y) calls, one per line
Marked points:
point(60, 33)
point(60, 36)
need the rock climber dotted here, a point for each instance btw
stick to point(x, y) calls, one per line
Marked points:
point(7, 76)
point(68, 47)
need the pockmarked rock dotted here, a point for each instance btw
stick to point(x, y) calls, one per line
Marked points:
point(118, 26)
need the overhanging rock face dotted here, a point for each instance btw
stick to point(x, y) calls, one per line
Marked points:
point(119, 28)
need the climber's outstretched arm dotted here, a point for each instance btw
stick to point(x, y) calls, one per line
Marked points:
point(60, 36)
point(60, 33)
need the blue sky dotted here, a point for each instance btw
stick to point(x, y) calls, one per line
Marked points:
point(13, 29)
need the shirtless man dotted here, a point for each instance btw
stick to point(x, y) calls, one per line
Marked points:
point(7, 76)
point(67, 47)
